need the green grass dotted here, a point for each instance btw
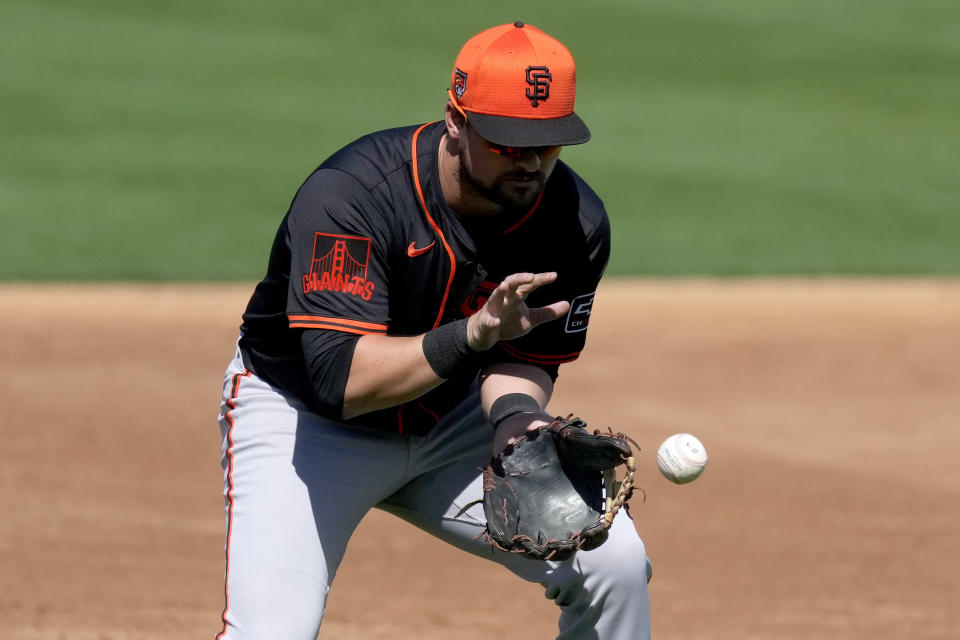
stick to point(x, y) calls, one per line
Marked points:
point(164, 140)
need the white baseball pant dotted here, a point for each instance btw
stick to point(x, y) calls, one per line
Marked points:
point(296, 485)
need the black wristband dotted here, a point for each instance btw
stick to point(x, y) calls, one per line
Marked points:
point(510, 405)
point(446, 348)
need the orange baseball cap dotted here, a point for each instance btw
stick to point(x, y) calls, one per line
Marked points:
point(516, 85)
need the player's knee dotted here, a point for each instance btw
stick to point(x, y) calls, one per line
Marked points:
point(254, 625)
point(274, 604)
point(621, 561)
point(634, 565)
point(616, 570)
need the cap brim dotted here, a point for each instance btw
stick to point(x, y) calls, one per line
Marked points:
point(526, 132)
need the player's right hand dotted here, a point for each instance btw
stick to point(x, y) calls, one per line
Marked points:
point(506, 316)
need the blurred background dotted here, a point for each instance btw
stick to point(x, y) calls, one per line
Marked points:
point(783, 181)
point(163, 140)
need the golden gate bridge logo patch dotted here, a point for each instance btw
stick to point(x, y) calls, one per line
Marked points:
point(339, 264)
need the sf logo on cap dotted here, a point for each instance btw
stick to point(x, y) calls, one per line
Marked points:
point(539, 79)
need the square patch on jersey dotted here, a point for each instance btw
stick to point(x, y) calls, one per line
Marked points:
point(339, 263)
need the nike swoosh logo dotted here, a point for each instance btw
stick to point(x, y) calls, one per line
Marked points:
point(413, 252)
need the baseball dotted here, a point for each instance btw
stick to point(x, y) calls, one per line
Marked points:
point(681, 458)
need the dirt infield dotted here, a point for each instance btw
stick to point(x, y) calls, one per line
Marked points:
point(830, 507)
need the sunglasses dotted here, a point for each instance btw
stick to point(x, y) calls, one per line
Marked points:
point(504, 150)
point(518, 152)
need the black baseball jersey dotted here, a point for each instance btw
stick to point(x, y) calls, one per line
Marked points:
point(370, 246)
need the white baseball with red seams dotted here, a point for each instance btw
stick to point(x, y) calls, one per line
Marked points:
point(681, 458)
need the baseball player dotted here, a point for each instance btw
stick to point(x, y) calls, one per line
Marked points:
point(422, 292)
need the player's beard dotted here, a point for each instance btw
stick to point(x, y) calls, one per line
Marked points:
point(515, 189)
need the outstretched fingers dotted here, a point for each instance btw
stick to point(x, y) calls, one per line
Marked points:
point(505, 315)
point(516, 287)
point(550, 312)
point(536, 281)
point(507, 292)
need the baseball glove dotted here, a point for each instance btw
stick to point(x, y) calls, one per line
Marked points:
point(554, 491)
